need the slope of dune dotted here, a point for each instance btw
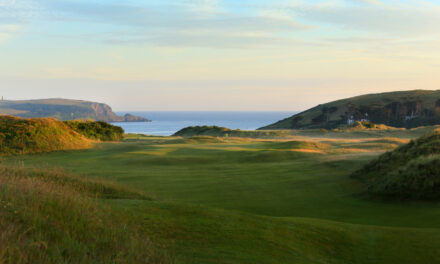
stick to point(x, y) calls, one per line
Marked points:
point(21, 135)
point(411, 171)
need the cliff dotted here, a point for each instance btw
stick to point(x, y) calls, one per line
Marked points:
point(64, 109)
point(406, 109)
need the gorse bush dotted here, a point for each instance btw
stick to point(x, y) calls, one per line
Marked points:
point(411, 171)
point(203, 130)
point(97, 130)
point(216, 131)
point(20, 136)
point(53, 217)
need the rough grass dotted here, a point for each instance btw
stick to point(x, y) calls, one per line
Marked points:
point(51, 217)
point(20, 136)
point(412, 171)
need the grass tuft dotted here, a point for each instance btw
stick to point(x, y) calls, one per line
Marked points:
point(50, 217)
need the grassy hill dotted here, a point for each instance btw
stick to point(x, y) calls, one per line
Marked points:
point(19, 136)
point(407, 109)
point(32, 135)
point(64, 109)
point(411, 171)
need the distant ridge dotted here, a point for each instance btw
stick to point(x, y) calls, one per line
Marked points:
point(404, 109)
point(64, 109)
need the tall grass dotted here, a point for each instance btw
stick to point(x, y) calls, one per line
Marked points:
point(51, 217)
point(411, 171)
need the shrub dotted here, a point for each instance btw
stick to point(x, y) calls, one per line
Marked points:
point(97, 130)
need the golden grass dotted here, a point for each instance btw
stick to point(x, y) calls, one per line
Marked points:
point(50, 217)
point(309, 151)
point(22, 135)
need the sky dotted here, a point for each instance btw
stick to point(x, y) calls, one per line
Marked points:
point(267, 55)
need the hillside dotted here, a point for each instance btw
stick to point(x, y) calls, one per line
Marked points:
point(406, 109)
point(412, 171)
point(64, 109)
point(19, 136)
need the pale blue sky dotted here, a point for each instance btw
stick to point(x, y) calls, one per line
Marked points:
point(214, 54)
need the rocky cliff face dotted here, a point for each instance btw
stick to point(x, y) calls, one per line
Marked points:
point(398, 109)
point(64, 109)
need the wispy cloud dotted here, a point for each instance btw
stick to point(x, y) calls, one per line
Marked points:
point(397, 19)
point(14, 15)
point(197, 22)
point(8, 31)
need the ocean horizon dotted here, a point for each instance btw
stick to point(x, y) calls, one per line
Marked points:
point(166, 123)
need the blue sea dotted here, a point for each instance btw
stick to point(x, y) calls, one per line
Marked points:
point(166, 123)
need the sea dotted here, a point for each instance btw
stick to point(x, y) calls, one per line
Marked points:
point(166, 123)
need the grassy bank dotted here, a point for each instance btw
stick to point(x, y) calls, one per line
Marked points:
point(20, 136)
point(410, 172)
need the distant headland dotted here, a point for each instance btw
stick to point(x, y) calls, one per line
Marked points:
point(64, 109)
point(403, 109)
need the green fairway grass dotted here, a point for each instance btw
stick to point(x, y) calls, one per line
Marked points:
point(242, 200)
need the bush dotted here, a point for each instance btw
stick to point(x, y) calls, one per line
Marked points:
point(97, 130)
point(214, 131)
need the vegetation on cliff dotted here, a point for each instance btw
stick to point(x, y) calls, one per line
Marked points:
point(411, 171)
point(406, 109)
point(366, 125)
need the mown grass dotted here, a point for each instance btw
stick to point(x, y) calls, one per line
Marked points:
point(242, 200)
